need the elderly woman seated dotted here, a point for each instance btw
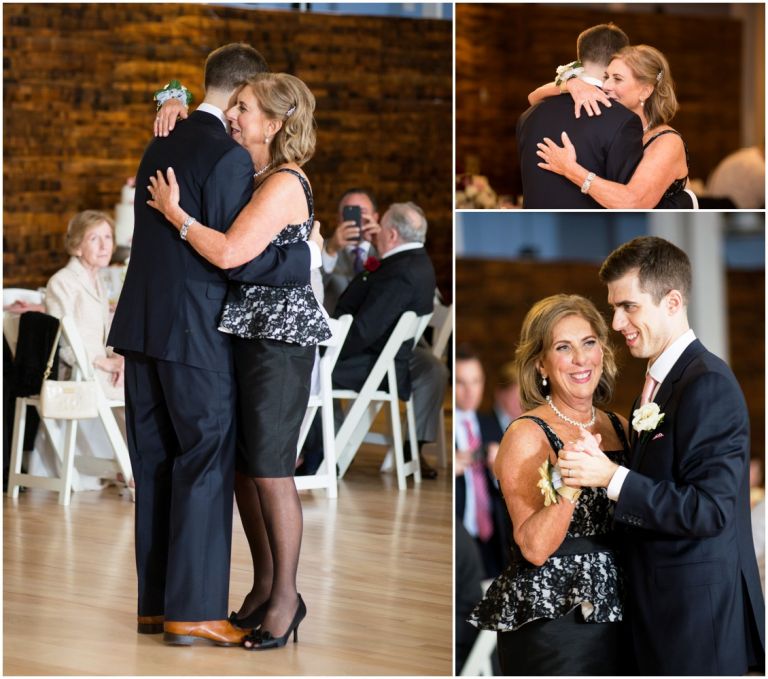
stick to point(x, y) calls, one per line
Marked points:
point(77, 291)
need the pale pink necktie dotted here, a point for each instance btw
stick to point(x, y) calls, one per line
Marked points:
point(482, 498)
point(648, 387)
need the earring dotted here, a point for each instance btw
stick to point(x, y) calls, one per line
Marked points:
point(266, 140)
point(642, 102)
point(543, 381)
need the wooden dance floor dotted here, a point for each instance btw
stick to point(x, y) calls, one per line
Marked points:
point(375, 573)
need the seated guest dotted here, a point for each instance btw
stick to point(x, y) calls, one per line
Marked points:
point(740, 177)
point(404, 280)
point(347, 249)
point(479, 506)
point(77, 291)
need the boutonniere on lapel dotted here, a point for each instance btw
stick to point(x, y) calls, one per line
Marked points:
point(370, 265)
point(646, 419)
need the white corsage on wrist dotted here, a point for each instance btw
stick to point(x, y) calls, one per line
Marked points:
point(552, 486)
point(566, 72)
point(173, 90)
point(646, 418)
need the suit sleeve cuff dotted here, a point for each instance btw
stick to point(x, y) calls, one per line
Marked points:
point(614, 487)
point(315, 259)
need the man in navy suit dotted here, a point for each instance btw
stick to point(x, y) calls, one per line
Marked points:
point(179, 378)
point(610, 144)
point(695, 604)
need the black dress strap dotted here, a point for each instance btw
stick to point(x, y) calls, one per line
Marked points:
point(305, 186)
point(616, 422)
point(659, 134)
point(554, 439)
point(557, 444)
point(685, 146)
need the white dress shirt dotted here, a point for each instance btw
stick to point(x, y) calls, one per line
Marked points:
point(659, 371)
point(403, 248)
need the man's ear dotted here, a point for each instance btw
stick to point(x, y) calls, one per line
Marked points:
point(674, 302)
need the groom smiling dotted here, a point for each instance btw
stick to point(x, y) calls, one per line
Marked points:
point(695, 602)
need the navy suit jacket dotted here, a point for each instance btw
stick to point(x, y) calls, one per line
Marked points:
point(610, 145)
point(171, 302)
point(695, 601)
point(377, 299)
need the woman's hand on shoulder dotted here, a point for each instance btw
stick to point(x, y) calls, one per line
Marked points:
point(556, 158)
point(167, 115)
point(586, 96)
point(165, 196)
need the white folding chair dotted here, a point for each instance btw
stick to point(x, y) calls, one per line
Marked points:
point(694, 199)
point(479, 662)
point(442, 327)
point(10, 319)
point(65, 448)
point(325, 477)
point(368, 401)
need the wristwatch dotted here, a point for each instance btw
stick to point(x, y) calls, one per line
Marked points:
point(189, 221)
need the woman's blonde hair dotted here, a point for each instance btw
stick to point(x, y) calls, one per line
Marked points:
point(536, 338)
point(284, 97)
point(650, 67)
point(80, 223)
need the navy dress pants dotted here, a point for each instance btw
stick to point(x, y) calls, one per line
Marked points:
point(181, 438)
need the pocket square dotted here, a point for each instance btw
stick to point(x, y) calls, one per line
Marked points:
point(660, 435)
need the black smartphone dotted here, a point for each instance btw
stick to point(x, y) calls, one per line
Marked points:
point(352, 213)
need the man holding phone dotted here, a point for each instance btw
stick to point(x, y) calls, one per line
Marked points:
point(346, 251)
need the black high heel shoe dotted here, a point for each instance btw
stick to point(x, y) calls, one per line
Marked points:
point(262, 639)
point(250, 621)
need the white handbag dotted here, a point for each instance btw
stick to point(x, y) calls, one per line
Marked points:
point(67, 400)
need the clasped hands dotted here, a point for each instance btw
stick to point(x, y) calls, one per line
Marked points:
point(583, 465)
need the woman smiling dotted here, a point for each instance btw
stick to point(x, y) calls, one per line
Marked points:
point(557, 608)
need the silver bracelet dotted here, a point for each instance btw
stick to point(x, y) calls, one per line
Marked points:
point(587, 182)
point(189, 221)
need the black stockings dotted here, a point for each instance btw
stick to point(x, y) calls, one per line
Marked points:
point(273, 523)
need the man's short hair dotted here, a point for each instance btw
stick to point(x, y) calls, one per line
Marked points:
point(366, 192)
point(466, 352)
point(661, 266)
point(229, 66)
point(599, 43)
point(409, 220)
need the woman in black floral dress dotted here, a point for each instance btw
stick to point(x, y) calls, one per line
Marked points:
point(275, 333)
point(557, 608)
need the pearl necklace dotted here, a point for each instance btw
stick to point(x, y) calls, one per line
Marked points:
point(260, 172)
point(580, 425)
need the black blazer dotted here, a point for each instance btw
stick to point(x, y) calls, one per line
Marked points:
point(171, 301)
point(403, 282)
point(694, 590)
point(610, 145)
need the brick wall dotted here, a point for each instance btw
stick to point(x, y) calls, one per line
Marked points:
point(505, 51)
point(78, 111)
point(492, 298)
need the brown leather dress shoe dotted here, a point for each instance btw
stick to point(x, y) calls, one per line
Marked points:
point(150, 624)
point(215, 632)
